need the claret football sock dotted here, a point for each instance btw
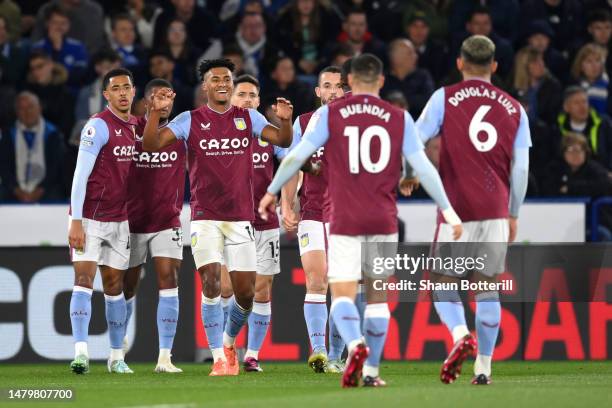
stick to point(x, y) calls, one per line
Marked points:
point(315, 314)
point(450, 309)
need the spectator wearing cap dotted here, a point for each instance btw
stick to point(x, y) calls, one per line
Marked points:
point(539, 35)
point(161, 65)
point(504, 16)
point(533, 81)
point(123, 41)
point(86, 22)
point(258, 51)
point(579, 117)
point(284, 83)
point(47, 80)
point(31, 155)
point(437, 14)
point(565, 18)
point(480, 23)
point(69, 52)
point(355, 33)
point(588, 71)
point(433, 55)
point(405, 76)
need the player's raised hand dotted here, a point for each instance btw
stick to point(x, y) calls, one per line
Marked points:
point(513, 227)
point(76, 235)
point(161, 99)
point(267, 205)
point(283, 109)
point(408, 185)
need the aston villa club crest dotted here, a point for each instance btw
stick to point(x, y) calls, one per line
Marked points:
point(304, 240)
point(240, 123)
point(194, 239)
point(262, 142)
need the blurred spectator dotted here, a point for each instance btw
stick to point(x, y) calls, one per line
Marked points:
point(564, 16)
point(31, 155)
point(233, 53)
point(199, 97)
point(588, 70)
point(47, 80)
point(600, 31)
point(285, 84)
point(184, 54)
point(123, 41)
point(576, 174)
point(86, 22)
point(539, 36)
point(578, 117)
point(504, 16)
point(161, 65)
point(13, 59)
point(29, 9)
point(396, 98)
point(12, 18)
point(480, 23)
point(433, 56)
point(533, 81)
point(69, 52)
point(339, 54)
point(145, 15)
point(257, 50)
point(384, 16)
point(355, 33)
point(415, 83)
point(202, 26)
point(303, 30)
point(437, 14)
point(545, 143)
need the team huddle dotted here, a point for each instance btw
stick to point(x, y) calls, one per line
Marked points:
point(127, 197)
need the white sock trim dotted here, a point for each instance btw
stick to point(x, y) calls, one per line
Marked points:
point(80, 347)
point(130, 300)
point(262, 308)
point(168, 292)
point(218, 354)
point(374, 310)
point(315, 298)
point(339, 300)
point(82, 289)
point(164, 354)
point(225, 301)
point(116, 354)
point(482, 365)
point(252, 353)
point(209, 301)
point(370, 371)
point(228, 341)
point(116, 298)
point(459, 332)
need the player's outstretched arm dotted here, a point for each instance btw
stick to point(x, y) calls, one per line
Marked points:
point(284, 135)
point(154, 138)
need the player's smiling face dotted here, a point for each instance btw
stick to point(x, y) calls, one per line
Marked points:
point(246, 96)
point(218, 85)
point(330, 87)
point(120, 93)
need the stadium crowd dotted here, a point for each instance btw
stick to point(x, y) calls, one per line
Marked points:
point(553, 55)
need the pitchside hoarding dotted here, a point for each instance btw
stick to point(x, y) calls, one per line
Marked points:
point(36, 283)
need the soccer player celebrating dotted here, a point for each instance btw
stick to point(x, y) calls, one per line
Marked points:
point(484, 164)
point(99, 232)
point(312, 234)
point(218, 137)
point(364, 138)
point(155, 199)
point(267, 233)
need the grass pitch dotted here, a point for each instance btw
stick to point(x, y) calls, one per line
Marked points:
point(411, 384)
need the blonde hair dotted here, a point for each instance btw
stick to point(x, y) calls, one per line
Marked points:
point(585, 52)
point(523, 58)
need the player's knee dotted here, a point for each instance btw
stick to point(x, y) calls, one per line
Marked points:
point(317, 285)
point(168, 280)
point(113, 285)
point(83, 281)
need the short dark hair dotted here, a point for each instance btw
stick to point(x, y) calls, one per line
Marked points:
point(105, 54)
point(39, 53)
point(249, 79)
point(160, 52)
point(478, 50)
point(232, 49)
point(206, 65)
point(121, 16)
point(251, 14)
point(115, 73)
point(56, 9)
point(479, 10)
point(367, 67)
point(571, 91)
point(355, 10)
point(345, 70)
point(156, 83)
point(332, 69)
point(599, 15)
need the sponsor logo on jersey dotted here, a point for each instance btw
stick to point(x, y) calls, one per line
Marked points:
point(118, 132)
point(205, 126)
point(138, 137)
point(155, 157)
point(304, 241)
point(225, 144)
point(124, 151)
point(240, 123)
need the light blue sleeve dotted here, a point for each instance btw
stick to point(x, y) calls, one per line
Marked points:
point(430, 121)
point(412, 141)
point(85, 164)
point(258, 122)
point(181, 125)
point(279, 152)
point(297, 136)
point(519, 178)
point(315, 136)
point(93, 136)
point(523, 134)
point(429, 178)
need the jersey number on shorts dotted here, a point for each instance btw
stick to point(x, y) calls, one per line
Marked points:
point(250, 232)
point(275, 249)
point(477, 125)
point(359, 148)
